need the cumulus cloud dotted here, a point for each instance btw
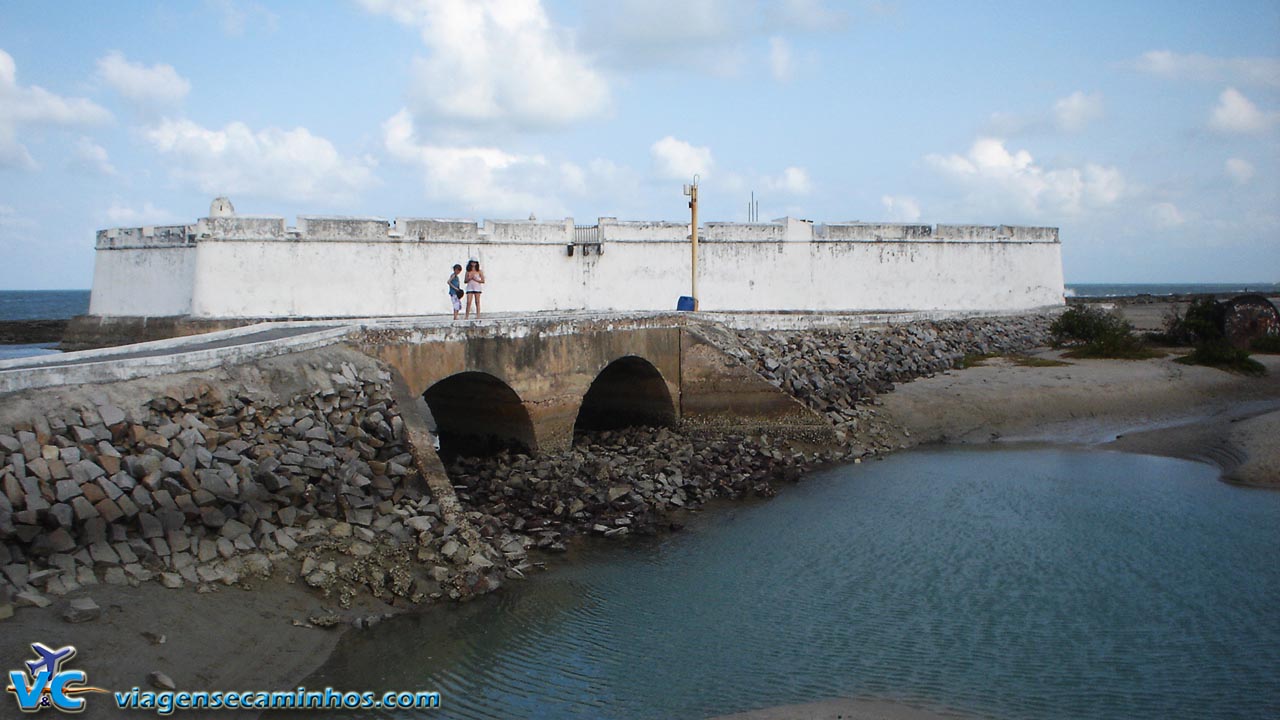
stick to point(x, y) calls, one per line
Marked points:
point(780, 63)
point(996, 180)
point(120, 215)
point(292, 165)
point(496, 61)
point(1236, 113)
point(793, 181)
point(710, 36)
point(236, 16)
point(678, 160)
point(1074, 112)
point(1196, 66)
point(34, 107)
point(901, 208)
point(150, 86)
point(483, 179)
point(1240, 170)
point(1166, 214)
point(93, 157)
point(814, 15)
point(15, 231)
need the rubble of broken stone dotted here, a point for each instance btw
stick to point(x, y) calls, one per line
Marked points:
point(219, 489)
point(206, 490)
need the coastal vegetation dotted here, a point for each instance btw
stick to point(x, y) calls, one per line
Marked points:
point(1092, 333)
point(1269, 344)
point(1202, 327)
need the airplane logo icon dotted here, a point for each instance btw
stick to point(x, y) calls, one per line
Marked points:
point(50, 685)
point(50, 659)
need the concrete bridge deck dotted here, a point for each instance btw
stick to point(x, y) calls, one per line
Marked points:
point(268, 339)
point(528, 381)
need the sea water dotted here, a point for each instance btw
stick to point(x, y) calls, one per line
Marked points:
point(1009, 583)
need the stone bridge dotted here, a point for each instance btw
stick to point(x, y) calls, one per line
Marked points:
point(526, 382)
point(534, 384)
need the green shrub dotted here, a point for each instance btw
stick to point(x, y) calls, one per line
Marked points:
point(1203, 322)
point(1223, 356)
point(1266, 344)
point(1094, 333)
point(1086, 324)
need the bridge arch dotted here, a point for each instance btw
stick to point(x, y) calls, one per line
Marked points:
point(628, 391)
point(477, 413)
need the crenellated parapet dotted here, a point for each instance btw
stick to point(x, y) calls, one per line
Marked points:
point(227, 265)
point(320, 229)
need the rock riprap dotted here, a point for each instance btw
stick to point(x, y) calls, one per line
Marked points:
point(207, 490)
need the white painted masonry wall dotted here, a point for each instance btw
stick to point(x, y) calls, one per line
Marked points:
point(143, 272)
point(358, 267)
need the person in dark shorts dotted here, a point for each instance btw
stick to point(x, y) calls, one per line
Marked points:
point(455, 290)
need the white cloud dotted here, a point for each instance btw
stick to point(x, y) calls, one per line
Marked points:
point(901, 208)
point(1236, 113)
point(33, 106)
point(1166, 214)
point(271, 163)
point(10, 219)
point(149, 86)
point(484, 179)
point(780, 62)
point(997, 181)
point(1240, 170)
point(15, 232)
point(793, 180)
point(716, 37)
point(1074, 112)
point(678, 160)
point(236, 16)
point(497, 61)
point(120, 215)
point(1196, 66)
point(814, 15)
point(93, 156)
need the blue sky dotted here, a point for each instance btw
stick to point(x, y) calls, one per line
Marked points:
point(1149, 132)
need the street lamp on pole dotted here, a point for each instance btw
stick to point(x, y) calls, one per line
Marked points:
point(692, 192)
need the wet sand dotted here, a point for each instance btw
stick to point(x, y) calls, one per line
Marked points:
point(1156, 407)
point(231, 639)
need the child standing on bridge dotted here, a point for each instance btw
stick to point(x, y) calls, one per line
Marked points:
point(475, 286)
point(455, 290)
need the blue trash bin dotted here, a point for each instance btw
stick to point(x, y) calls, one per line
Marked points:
point(685, 303)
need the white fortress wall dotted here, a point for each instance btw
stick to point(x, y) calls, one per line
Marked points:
point(236, 266)
point(354, 267)
point(145, 271)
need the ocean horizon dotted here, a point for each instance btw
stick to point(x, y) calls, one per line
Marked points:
point(66, 304)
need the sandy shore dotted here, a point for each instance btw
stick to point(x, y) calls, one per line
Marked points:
point(1155, 407)
point(231, 639)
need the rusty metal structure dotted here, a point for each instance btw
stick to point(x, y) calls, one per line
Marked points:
point(1249, 317)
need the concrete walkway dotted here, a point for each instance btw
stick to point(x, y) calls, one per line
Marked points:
point(202, 352)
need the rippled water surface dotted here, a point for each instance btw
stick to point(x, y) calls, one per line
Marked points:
point(1011, 583)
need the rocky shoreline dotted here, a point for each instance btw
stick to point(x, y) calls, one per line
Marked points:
point(28, 332)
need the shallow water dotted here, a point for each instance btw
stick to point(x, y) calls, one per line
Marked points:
point(11, 352)
point(1014, 583)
